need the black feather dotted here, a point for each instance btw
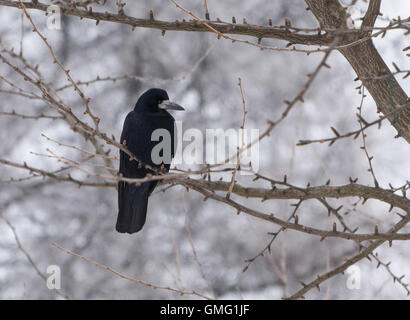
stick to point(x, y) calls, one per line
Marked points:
point(136, 136)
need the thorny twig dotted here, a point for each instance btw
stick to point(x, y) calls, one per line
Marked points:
point(123, 276)
point(29, 258)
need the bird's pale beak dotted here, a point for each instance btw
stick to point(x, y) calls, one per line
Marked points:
point(166, 104)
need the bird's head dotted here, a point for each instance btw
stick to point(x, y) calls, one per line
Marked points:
point(155, 100)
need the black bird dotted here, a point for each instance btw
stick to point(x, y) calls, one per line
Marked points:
point(148, 115)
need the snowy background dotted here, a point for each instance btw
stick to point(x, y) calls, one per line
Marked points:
point(83, 220)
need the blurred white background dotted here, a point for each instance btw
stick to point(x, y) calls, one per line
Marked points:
point(83, 220)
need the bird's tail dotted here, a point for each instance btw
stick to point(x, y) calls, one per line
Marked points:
point(133, 202)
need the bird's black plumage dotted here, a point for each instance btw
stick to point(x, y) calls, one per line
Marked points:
point(148, 115)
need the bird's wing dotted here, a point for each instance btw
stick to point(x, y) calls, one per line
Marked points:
point(137, 139)
point(132, 198)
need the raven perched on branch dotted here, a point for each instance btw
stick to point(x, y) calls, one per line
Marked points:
point(148, 116)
